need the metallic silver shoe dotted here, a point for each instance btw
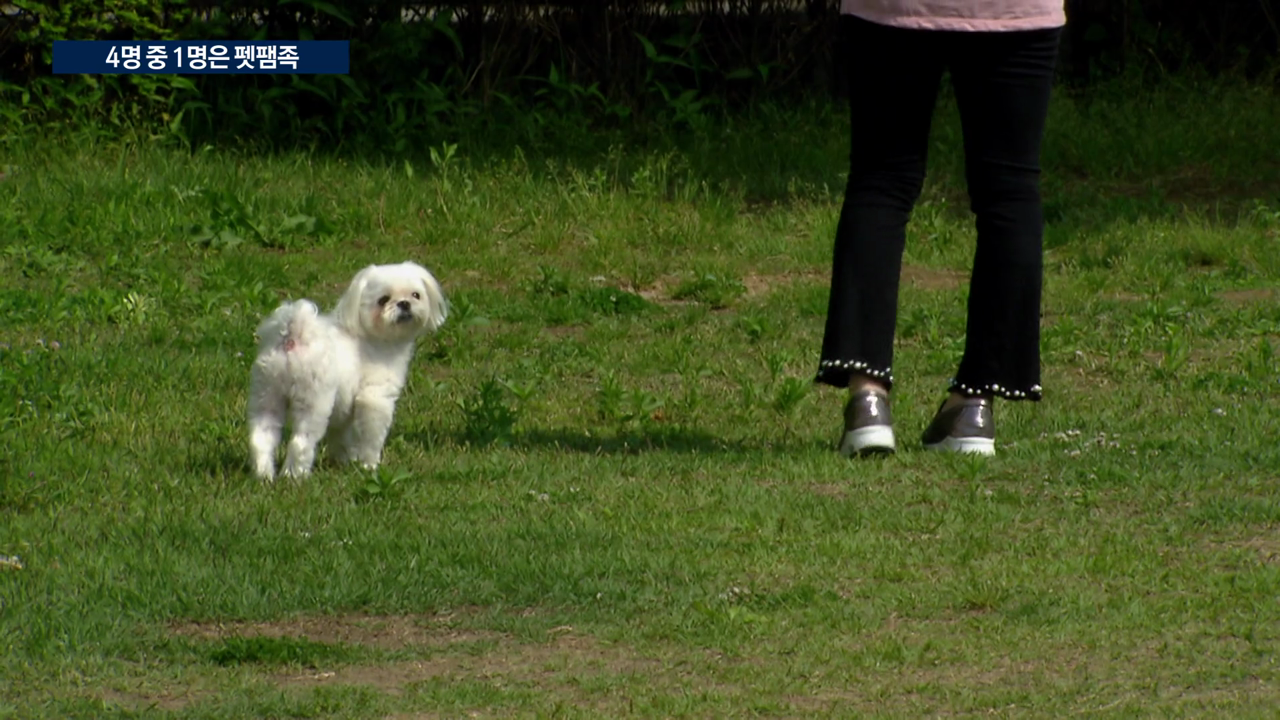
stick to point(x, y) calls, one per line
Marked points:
point(968, 427)
point(868, 425)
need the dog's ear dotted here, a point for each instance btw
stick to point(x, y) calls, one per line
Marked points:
point(348, 310)
point(438, 308)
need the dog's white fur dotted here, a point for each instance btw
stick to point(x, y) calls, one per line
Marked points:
point(338, 376)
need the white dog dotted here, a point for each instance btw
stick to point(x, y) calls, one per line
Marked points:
point(339, 375)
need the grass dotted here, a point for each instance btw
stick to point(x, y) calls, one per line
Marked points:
point(610, 488)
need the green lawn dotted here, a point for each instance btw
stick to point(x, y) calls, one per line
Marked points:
point(611, 488)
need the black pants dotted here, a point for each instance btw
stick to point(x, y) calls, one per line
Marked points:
point(1002, 82)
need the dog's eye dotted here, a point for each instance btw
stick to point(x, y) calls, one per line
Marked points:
point(384, 300)
point(416, 296)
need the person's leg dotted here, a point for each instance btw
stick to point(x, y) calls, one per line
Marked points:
point(1002, 83)
point(894, 77)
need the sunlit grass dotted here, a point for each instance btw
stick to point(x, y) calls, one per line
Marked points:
point(610, 487)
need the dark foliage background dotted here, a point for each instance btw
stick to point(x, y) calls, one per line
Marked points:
point(427, 66)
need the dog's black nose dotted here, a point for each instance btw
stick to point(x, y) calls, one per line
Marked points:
point(403, 304)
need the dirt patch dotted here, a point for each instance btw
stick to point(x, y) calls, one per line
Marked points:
point(171, 699)
point(1122, 296)
point(926, 278)
point(564, 657)
point(822, 489)
point(758, 285)
point(485, 713)
point(1089, 379)
point(561, 332)
point(833, 490)
point(903, 671)
point(500, 655)
point(383, 632)
point(557, 664)
point(1157, 358)
point(388, 678)
point(1233, 297)
point(1247, 297)
point(754, 285)
point(659, 291)
point(1265, 546)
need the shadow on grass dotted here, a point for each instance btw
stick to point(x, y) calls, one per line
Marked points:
point(222, 459)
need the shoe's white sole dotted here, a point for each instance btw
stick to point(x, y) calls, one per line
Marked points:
point(976, 446)
point(873, 438)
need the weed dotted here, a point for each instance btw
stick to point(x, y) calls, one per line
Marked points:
point(523, 392)
point(612, 301)
point(565, 302)
point(715, 290)
point(231, 224)
point(228, 224)
point(609, 398)
point(788, 395)
point(487, 417)
point(1176, 355)
point(754, 328)
point(551, 282)
point(464, 313)
point(382, 484)
point(1262, 365)
point(641, 406)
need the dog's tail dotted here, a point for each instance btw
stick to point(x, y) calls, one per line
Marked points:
point(292, 324)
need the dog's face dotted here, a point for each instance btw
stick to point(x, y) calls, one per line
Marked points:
point(392, 303)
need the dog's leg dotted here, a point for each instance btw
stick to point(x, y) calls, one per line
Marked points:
point(370, 423)
point(309, 423)
point(266, 420)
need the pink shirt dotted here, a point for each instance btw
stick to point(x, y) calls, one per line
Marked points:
point(969, 15)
